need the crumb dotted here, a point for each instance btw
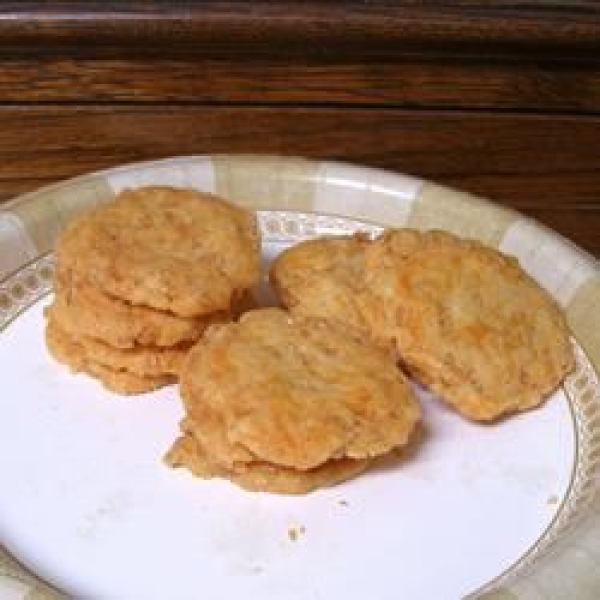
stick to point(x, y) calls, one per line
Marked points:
point(343, 503)
point(552, 499)
point(295, 532)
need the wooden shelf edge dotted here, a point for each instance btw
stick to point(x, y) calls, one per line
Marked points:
point(323, 29)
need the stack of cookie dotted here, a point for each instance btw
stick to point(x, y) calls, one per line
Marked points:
point(139, 279)
point(289, 404)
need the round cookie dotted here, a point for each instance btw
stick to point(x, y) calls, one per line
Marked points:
point(294, 392)
point(140, 360)
point(175, 250)
point(68, 352)
point(126, 383)
point(467, 321)
point(324, 277)
point(80, 309)
point(260, 476)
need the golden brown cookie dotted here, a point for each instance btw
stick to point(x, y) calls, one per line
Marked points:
point(80, 309)
point(295, 392)
point(261, 476)
point(139, 360)
point(467, 321)
point(324, 277)
point(174, 250)
point(126, 383)
point(68, 352)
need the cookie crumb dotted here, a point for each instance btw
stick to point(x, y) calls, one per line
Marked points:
point(343, 503)
point(295, 532)
point(552, 499)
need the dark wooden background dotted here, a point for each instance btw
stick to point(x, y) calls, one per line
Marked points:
point(498, 98)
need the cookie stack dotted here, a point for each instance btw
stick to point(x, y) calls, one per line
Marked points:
point(140, 278)
point(289, 404)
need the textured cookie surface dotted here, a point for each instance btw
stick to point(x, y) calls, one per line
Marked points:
point(171, 249)
point(295, 392)
point(67, 351)
point(261, 476)
point(141, 360)
point(81, 309)
point(467, 321)
point(325, 277)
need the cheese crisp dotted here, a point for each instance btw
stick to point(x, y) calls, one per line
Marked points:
point(290, 393)
point(468, 322)
point(140, 278)
point(121, 381)
point(183, 251)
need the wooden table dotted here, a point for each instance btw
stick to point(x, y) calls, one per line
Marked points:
point(500, 101)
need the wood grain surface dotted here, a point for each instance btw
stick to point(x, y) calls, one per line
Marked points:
point(374, 28)
point(501, 99)
point(417, 82)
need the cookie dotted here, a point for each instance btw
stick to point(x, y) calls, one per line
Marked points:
point(125, 383)
point(68, 352)
point(175, 250)
point(262, 476)
point(324, 277)
point(295, 392)
point(82, 310)
point(467, 322)
point(141, 360)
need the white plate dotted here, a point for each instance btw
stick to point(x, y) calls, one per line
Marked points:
point(87, 504)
